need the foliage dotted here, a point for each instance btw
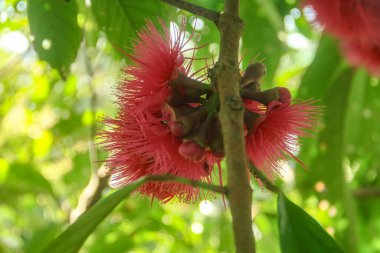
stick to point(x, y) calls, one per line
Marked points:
point(47, 122)
point(299, 232)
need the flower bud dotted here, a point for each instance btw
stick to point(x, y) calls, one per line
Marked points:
point(190, 122)
point(253, 74)
point(285, 95)
point(176, 128)
point(265, 97)
point(192, 151)
point(218, 155)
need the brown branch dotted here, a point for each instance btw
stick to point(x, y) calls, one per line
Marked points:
point(232, 7)
point(365, 193)
point(195, 9)
point(93, 191)
point(227, 77)
point(264, 180)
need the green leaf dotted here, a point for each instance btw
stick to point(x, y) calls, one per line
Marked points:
point(40, 238)
point(76, 234)
point(23, 179)
point(54, 26)
point(322, 71)
point(320, 81)
point(299, 232)
point(326, 160)
point(121, 19)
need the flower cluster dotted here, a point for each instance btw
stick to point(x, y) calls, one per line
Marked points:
point(168, 123)
point(162, 124)
point(355, 23)
point(274, 123)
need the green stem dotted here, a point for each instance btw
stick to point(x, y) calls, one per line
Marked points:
point(213, 103)
point(264, 180)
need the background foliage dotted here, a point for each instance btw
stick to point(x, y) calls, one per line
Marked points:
point(58, 70)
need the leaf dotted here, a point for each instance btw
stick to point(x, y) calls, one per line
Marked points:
point(327, 159)
point(40, 238)
point(318, 82)
point(54, 26)
point(326, 163)
point(76, 234)
point(363, 110)
point(299, 232)
point(322, 71)
point(121, 19)
point(23, 179)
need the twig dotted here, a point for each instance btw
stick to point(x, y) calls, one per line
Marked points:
point(195, 9)
point(93, 191)
point(266, 182)
point(182, 180)
point(227, 77)
point(365, 193)
point(98, 180)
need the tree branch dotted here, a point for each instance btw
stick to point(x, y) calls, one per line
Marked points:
point(94, 189)
point(195, 9)
point(365, 193)
point(264, 180)
point(227, 78)
point(232, 7)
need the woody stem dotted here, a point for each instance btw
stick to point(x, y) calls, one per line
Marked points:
point(195, 9)
point(227, 78)
point(188, 82)
point(264, 97)
point(264, 180)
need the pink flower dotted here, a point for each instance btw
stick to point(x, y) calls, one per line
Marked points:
point(158, 58)
point(355, 23)
point(348, 19)
point(274, 136)
point(363, 53)
point(142, 144)
point(144, 139)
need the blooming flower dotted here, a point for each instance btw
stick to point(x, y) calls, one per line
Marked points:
point(355, 23)
point(142, 144)
point(348, 18)
point(145, 139)
point(273, 138)
point(158, 58)
point(363, 53)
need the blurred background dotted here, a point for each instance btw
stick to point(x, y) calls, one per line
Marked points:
point(58, 73)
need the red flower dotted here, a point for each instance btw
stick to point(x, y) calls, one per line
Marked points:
point(274, 136)
point(140, 139)
point(356, 23)
point(363, 53)
point(348, 19)
point(158, 58)
point(142, 144)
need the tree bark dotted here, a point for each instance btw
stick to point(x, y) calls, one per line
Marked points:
point(227, 78)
